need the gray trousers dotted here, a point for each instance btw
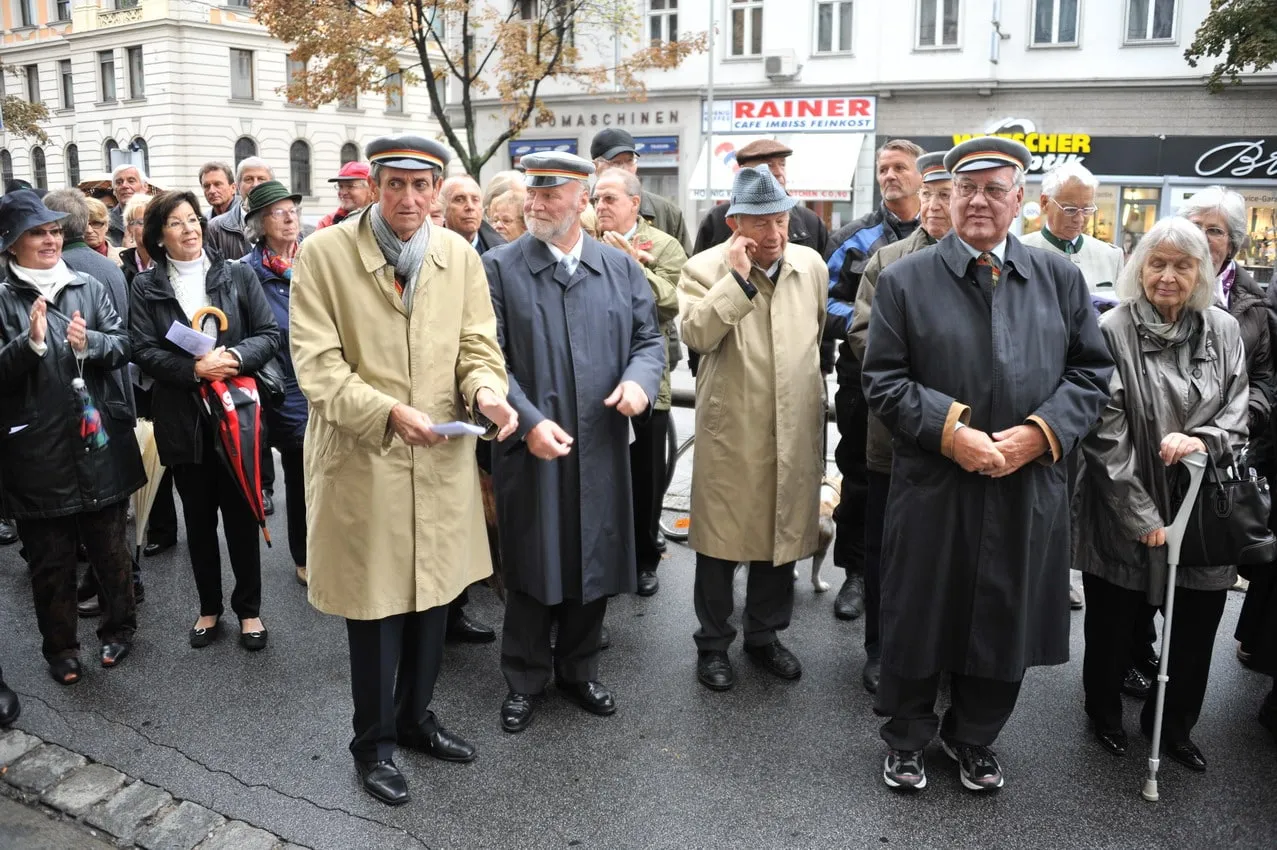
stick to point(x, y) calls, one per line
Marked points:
point(526, 658)
point(769, 602)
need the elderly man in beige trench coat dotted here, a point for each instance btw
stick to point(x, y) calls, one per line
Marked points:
point(393, 336)
point(753, 308)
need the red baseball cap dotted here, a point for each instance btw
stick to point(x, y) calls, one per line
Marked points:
point(351, 171)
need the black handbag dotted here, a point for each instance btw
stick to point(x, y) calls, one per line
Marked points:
point(1229, 523)
point(270, 383)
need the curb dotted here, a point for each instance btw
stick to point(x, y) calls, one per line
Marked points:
point(107, 803)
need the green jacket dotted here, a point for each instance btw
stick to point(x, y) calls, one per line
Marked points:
point(668, 258)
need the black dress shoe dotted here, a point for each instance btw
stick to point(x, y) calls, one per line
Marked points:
point(661, 543)
point(1136, 684)
point(155, 547)
point(714, 670)
point(871, 674)
point(115, 652)
point(66, 671)
point(383, 780)
point(139, 590)
point(462, 628)
point(268, 508)
point(438, 742)
point(253, 641)
point(10, 708)
point(850, 603)
point(201, 638)
point(776, 659)
point(90, 607)
point(8, 534)
point(516, 712)
point(592, 696)
point(605, 638)
point(1149, 665)
point(648, 583)
point(1187, 754)
point(1113, 740)
point(1268, 714)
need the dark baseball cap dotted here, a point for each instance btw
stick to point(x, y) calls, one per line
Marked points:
point(611, 143)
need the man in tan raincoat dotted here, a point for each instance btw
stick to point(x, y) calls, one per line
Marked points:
point(393, 334)
point(753, 308)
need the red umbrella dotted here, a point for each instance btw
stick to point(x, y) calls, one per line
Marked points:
point(234, 407)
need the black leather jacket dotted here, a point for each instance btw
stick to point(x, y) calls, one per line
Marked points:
point(43, 461)
point(180, 425)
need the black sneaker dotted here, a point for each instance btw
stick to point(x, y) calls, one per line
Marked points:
point(978, 766)
point(905, 770)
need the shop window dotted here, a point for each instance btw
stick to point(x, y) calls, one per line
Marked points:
point(244, 148)
point(1259, 254)
point(1054, 22)
point(662, 21)
point(937, 23)
point(1138, 211)
point(1151, 20)
point(1101, 226)
point(833, 27)
point(747, 27)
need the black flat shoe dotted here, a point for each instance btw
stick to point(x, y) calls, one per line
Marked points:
point(714, 670)
point(592, 696)
point(154, 548)
point(776, 659)
point(462, 629)
point(90, 607)
point(1113, 740)
point(115, 652)
point(648, 583)
point(438, 742)
point(661, 543)
point(268, 508)
point(383, 780)
point(516, 712)
point(201, 638)
point(1187, 754)
point(253, 641)
point(10, 708)
point(67, 671)
point(871, 675)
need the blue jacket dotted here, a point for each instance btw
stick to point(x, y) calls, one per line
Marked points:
point(286, 422)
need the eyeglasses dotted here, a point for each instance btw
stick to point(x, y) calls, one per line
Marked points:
point(179, 224)
point(284, 214)
point(97, 224)
point(41, 232)
point(134, 222)
point(1073, 212)
point(994, 192)
point(927, 196)
point(1214, 232)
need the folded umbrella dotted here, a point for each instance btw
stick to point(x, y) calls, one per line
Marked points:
point(144, 498)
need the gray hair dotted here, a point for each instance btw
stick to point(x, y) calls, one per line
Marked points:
point(252, 162)
point(1181, 235)
point(501, 182)
point(1231, 205)
point(120, 169)
point(450, 186)
point(76, 206)
point(633, 187)
point(1062, 175)
point(135, 207)
point(375, 169)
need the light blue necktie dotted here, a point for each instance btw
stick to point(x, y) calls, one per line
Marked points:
point(569, 264)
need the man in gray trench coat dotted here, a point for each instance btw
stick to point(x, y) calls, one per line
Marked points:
point(577, 325)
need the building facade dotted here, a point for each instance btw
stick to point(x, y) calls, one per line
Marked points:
point(1103, 81)
point(176, 84)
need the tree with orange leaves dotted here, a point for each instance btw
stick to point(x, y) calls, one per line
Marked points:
point(482, 48)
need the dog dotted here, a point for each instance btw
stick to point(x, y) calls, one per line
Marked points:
point(830, 495)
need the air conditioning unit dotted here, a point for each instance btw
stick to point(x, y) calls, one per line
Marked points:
point(781, 64)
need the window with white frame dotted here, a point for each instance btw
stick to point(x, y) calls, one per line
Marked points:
point(39, 173)
point(394, 93)
point(106, 75)
point(26, 13)
point(62, 10)
point(1054, 22)
point(137, 75)
point(294, 68)
point(33, 83)
point(1151, 20)
point(937, 23)
point(242, 87)
point(833, 26)
point(72, 159)
point(65, 85)
point(746, 27)
point(662, 21)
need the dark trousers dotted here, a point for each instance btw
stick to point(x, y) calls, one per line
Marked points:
point(266, 460)
point(978, 709)
point(207, 488)
point(526, 657)
point(295, 502)
point(875, 522)
point(161, 523)
point(1111, 614)
point(769, 602)
point(849, 517)
point(647, 482)
point(51, 549)
point(394, 663)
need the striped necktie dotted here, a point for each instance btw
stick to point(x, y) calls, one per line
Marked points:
point(987, 269)
point(569, 264)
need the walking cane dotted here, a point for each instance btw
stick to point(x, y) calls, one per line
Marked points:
point(1196, 463)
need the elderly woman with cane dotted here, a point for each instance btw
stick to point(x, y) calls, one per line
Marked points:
point(1180, 387)
point(68, 458)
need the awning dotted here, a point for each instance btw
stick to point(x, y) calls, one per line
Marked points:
point(822, 168)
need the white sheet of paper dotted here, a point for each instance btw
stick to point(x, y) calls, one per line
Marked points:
point(457, 429)
point(188, 339)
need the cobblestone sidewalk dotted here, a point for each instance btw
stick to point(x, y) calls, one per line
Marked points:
point(105, 802)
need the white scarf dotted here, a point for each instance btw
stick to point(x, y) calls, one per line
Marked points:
point(49, 282)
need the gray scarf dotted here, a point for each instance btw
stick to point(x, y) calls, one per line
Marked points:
point(406, 257)
point(1168, 333)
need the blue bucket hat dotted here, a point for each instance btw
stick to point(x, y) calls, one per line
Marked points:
point(756, 192)
point(19, 212)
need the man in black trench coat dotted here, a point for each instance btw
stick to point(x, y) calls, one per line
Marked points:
point(986, 362)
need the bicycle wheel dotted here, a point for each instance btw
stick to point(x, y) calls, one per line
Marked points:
point(671, 453)
point(676, 507)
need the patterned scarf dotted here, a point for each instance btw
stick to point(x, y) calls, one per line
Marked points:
point(283, 267)
point(406, 257)
point(1166, 333)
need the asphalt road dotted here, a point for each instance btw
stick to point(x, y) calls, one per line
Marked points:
point(770, 764)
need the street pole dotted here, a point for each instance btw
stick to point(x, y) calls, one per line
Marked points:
point(709, 117)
